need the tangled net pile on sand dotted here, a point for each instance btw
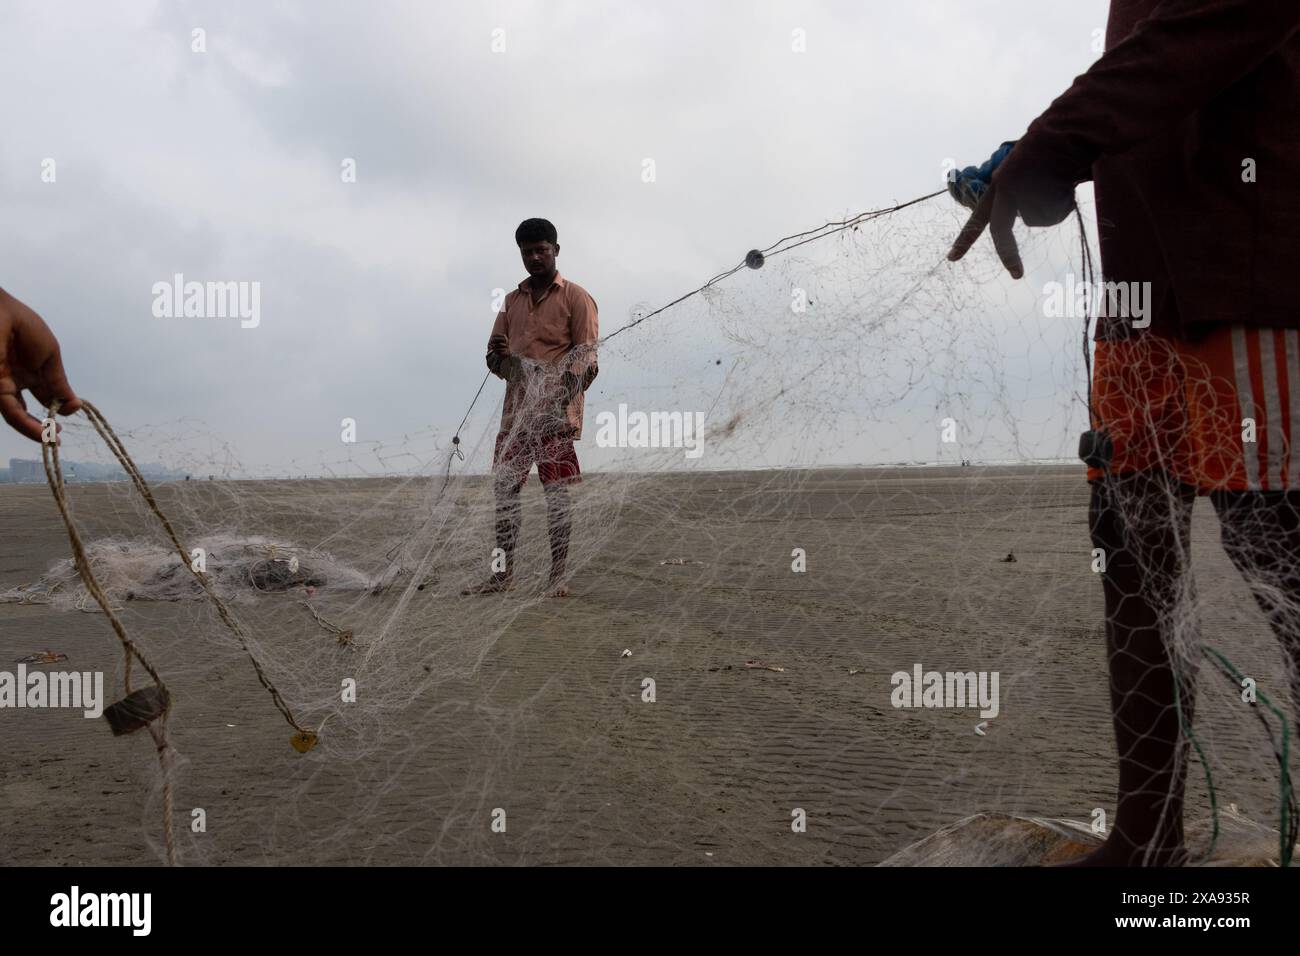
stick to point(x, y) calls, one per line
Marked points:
point(238, 567)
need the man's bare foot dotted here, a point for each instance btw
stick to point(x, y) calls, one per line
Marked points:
point(556, 587)
point(1111, 853)
point(496, 584)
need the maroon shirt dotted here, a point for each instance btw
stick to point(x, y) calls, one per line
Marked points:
point(1186, 92)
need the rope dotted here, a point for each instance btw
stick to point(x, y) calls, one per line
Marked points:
point(305, 739)
point(344, 635)
point(54, 475)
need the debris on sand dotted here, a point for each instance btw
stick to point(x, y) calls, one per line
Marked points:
point(344, 635)
point(43, 657)
point(136, 709)
point(281, 574)
point(995, 839)
point(1009, 559)
point(764, 666)
point(680, 562)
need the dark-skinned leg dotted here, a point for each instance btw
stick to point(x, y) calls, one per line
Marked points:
point(509, 474)
point(1260, 531)
point(559, 523)
point(1142, 523)
point(509, 518)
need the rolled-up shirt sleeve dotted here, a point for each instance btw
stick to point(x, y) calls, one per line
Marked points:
point(1174, 62)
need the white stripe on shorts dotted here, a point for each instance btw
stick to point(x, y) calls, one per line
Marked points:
point(1272, 408)
point(1246, 402)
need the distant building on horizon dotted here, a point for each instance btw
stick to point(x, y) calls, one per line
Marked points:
point(23, 469)
point(28, 470)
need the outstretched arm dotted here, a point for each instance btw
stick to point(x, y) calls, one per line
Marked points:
point(1175, 62)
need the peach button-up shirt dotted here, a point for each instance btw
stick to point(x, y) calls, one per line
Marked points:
point(555, 335)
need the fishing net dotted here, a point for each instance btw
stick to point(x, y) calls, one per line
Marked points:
point(884, 487)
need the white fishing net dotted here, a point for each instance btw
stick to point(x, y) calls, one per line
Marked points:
point(720, 684)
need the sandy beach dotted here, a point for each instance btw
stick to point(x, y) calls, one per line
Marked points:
point(904, 567)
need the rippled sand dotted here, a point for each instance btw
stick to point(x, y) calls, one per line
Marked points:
point(904, 567)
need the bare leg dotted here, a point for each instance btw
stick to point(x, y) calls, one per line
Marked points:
point(509, 518)
point(1142, 524)
point(559, 522)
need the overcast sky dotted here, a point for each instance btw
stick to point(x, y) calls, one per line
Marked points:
point(376, 295)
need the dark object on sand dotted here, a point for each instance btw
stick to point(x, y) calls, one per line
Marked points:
point(277, 575)
point(136, 709)
point(1009, 559)
point(43, 657)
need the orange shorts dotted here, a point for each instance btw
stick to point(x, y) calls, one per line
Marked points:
point(1216, 414)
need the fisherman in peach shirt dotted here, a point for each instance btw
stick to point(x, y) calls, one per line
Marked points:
point(543, 345)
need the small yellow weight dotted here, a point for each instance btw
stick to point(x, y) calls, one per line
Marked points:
point(304, 741)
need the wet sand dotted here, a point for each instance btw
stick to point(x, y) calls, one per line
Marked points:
point(903, 568)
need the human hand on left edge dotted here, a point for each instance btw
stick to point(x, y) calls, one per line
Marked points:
point(30, 360)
